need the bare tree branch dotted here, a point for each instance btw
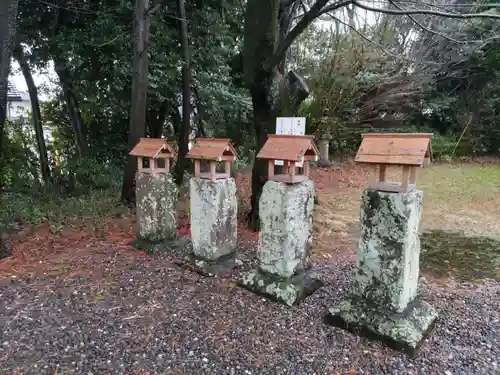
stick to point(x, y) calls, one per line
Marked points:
point(319, 8)
point(457, 5)
point(156, 5)
point(304, 22)
point(406, 12)
point(432, 31)
point(379, 46)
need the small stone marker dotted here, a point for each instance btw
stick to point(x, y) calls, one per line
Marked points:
point(384, 301)
point(214, 207)
point(406, 150)
point(285, 238)
point(156, 193)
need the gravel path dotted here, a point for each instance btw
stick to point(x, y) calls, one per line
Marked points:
point(153, 317)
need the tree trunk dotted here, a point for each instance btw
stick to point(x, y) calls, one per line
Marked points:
point(156, 120)
point(260, 36)
point(200, 114)
point(140, 84)
point(35, 109)
point(8, 14)
point(273, 93)
point(72, 107)
point(183, 140)
point(176, 119)
point(264, 112)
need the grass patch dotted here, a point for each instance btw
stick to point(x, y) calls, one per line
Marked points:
point(460, 183)
point(454, 255)
point(91, 209)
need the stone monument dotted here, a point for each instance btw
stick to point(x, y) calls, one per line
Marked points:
point(384, 301)
point(286, 214)
point(213, 206)
point(156, 193)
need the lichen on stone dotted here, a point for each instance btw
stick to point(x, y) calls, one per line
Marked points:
point(287, 290)
point(214, 207)
point(156, 196)
point(388, 250)
point(286, 227)
point(407, 328)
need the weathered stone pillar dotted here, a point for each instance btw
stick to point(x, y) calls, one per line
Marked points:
point(284, 243)
point(384, 299)
point(156, 195)
point(324, 151)
point(214, 209)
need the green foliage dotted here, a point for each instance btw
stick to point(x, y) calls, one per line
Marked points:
point(93, 208)
point(19, 166)
point(466, 93)
point(90, 174)
point(353, 84)
point(346, 141)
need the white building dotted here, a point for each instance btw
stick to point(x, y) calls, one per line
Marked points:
point(18, 103)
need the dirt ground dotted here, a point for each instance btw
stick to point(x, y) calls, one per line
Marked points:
point(462, 198)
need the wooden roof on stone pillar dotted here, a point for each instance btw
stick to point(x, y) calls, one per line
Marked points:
point(289, 148)
point(395, 148)
point(153, 148)
point(216, 149)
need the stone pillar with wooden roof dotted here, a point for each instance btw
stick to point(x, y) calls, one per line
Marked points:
point(286, 214)
point(156, 192)
point(384, 301)
point(213, 205)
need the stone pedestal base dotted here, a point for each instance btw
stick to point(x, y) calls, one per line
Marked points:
point(214, 208)
point(156, 196)
point(404, 331)
point(221, 266)
point(169, 246)
point(290, 290)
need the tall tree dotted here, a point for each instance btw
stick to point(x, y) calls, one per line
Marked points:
point(140, 82)
point(8, 14)
point(185, 129)
point(35, 111)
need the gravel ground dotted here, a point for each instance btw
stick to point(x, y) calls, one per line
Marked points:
point(153, 317)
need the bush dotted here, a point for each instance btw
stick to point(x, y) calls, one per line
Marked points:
point(33, 209)
point(84, 191)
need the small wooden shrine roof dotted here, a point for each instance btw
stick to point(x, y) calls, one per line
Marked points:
point(395, 148)
point(288, 147)
point(213, 149)
point(151, 147)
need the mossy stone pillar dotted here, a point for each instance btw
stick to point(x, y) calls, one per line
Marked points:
point(384, 299)
point(324, 150)
point(214, 224)
point(156, 195)
point(284, 243)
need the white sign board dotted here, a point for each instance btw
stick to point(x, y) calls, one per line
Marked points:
point(290, 126)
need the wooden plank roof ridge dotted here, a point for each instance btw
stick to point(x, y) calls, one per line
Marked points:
point(287, 147)
point(394, 148)
point(151, 147)
point(211, 149)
